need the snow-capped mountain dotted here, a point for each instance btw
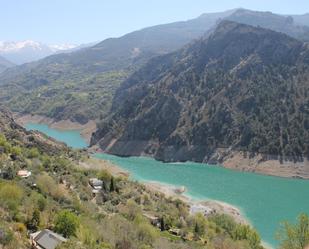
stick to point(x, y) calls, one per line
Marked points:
point(26, 51)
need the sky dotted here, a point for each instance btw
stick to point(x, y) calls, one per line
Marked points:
point(84, 21)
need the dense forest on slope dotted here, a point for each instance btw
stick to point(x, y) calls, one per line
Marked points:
point(242, 88)
point(80, 85)
point(57, 196)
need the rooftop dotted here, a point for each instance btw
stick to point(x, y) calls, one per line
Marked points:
point(46, 239)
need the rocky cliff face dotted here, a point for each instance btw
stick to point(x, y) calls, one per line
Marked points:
point(241, 88)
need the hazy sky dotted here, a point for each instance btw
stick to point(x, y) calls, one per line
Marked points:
point(82, 21)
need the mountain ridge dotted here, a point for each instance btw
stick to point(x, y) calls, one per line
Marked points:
point(229, 90)
point(80, 86)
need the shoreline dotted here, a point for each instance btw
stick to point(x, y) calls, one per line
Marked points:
point(85, 130)
point(219, 207)
point(166, 189)
point(101, 164)
point(234, 160)
point(174, 192)
point(238, 161)
point(170, 191)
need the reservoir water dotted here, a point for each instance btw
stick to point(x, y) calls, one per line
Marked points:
point(72, 138)
point(266, 201)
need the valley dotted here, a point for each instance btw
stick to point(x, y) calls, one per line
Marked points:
point(215, 97)
point(56, 194)
point(257, 196)
point(176, 135)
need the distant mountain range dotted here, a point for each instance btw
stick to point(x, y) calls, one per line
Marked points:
point(240, 88)
point(81, 85)
point(28, 51)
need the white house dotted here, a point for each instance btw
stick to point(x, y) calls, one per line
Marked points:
point(24, 173)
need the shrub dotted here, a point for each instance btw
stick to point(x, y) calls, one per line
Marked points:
point(295, 236)
point(245, 232)
point(66, 223)
point(41, 202)
point(10, 196)
point(48, 186)
point(225, 222)
point(20, 227)
point(33, 153)
point(6, 236)
point(146, 233)
point(133, 209)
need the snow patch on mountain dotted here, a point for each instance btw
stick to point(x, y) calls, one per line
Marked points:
point(25, 51)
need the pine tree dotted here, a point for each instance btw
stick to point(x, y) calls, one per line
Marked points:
point(197, 230)
point(112, 185)
point(162, 224)
point(34, 223)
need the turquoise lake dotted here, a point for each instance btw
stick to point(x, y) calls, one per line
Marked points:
point(72, 138)
point(266, 201)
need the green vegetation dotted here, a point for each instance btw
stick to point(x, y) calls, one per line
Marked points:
point(295, 236)
point(81, 84)
point(34, 223)
point(80, 98)
point(66, 223)
point(123, 215)
point(229, 91)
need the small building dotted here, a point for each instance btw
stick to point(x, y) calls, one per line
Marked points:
point(24, 173)
point(46, 239)
point(95, 183)
point(154, 220)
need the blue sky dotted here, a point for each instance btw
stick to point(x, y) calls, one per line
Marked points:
point(82, 21)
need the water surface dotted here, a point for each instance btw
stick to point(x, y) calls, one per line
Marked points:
point(72, 138)
point(266, 201)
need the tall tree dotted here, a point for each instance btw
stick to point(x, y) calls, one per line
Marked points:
point(112, 185)
point(162, 224)
point(295, 236)
point(34, 223)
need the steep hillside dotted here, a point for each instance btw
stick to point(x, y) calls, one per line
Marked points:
point(5, 64)
point(242, 88)
point(80, 85)
point(269, 20)
point(122, 215)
